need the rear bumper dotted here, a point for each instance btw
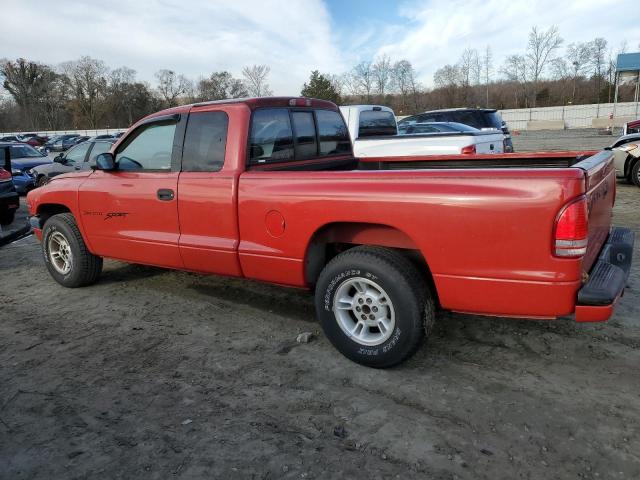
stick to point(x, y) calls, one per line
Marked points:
point(9, 201)
point(607, 279)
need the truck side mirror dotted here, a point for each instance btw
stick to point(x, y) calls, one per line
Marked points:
point(105, 161)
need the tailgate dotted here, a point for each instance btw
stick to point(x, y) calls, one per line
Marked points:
point(490, 143)
point(600, 185)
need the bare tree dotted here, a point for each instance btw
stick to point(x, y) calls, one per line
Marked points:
point(515, 70)
point(220, 85)
point(363, 79)
point(255, 80)
point(540, 50)
point(171, 86)
point(487, 70)
point(469, 67)
point(337, 82)
point(382, 71)
point(448, 78)
point(598, 60)
point(87, 80)
point(404, 79)
point(27, 82)
point(578, 59)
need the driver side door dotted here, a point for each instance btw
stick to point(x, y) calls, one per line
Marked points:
point(131, 213)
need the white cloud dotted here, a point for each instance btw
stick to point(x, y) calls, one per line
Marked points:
point(193, 37)
point(438, 31)
point(196, 37)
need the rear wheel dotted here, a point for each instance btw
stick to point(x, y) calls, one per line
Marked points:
point(68, 260)
point(374, 306)
point(635, 173)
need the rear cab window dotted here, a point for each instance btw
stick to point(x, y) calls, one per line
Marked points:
point(376, 123)
point(286, 135)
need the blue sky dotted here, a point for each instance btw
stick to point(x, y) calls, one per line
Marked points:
point(293, 37)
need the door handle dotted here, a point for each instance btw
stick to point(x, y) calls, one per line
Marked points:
point(165, 194)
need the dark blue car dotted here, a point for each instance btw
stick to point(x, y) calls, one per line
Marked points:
point(23, 158)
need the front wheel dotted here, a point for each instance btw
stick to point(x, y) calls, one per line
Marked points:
point(374, 306)
point(42, 181)
point(68, 260)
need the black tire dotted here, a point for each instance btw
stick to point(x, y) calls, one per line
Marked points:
point(42, 181)
point(635, 173)
point(395, 275)
point(7, 217)
point(85, 268)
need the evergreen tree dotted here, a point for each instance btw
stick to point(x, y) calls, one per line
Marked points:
point(320, 87)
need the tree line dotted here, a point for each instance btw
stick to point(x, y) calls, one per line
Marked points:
point(86, 93)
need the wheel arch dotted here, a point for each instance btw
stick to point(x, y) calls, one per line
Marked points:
point(47, 210)
point(336, 237)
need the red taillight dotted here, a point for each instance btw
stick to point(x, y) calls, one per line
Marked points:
point(572, 230)
point(468, 150)
point(4, 175)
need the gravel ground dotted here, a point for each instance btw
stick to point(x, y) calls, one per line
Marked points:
point(160, 374)
point(556, 140)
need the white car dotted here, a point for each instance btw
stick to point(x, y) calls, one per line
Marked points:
point(374, 133)
point(626, 157)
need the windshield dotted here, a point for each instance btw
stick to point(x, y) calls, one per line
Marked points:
point(24, 151)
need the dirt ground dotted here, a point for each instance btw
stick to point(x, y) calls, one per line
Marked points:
point(160, 374)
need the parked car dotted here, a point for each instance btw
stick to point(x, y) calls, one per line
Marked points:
point(79, 139)
point(627, 160)
point(9, 200)
point(79, 157)
point(269, 189)
point(23, 158)
point(60, 143)
point(480, 118)
point(631, 127)
point(104, 136)
point(374, 133)
point(33, 139)
point(433, 127)
point(10, 138)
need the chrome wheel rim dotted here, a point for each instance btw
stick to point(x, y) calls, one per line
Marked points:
point(60, 253)
point(364, 311)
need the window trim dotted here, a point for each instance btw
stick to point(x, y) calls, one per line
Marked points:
point(176, 146)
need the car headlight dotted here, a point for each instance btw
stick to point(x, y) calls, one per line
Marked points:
point(628, 147)
point(15, 172)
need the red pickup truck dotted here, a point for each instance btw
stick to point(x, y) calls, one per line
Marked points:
point(268, 189)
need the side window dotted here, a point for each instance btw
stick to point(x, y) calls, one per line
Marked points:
point(305, 131)
point(98, 148)
point(332, 132)
point(205, 142)
point(77, 154)
point(149, 149)
point(271, 138)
